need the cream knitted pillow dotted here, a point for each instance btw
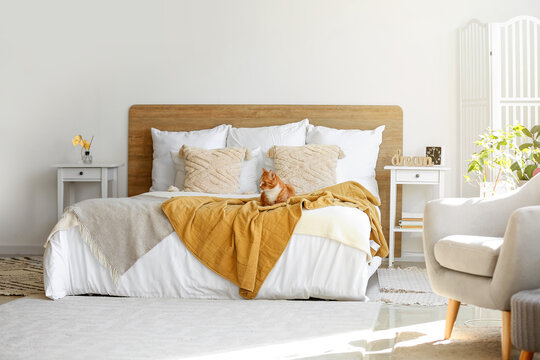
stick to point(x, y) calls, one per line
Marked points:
point(213, 171)
point(307, 168)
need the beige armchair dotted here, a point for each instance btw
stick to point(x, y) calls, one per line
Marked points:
point(482, 251)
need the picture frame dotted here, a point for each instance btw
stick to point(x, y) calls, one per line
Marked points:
point(436, 154)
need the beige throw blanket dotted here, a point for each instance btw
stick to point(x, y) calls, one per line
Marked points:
point(118, 231)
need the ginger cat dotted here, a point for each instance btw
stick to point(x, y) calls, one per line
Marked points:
point(273, 190)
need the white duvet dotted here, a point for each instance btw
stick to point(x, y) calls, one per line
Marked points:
point(310, 266)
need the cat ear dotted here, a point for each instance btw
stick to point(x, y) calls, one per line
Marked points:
point(272, 174)
point(264, 171)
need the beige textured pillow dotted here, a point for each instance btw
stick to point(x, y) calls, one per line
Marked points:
point(213, 171)
point(307, 168)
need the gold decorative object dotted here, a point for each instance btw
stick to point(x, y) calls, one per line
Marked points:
point(422, 161)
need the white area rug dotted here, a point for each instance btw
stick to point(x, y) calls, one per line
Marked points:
point(408, 286)
point(134, 328)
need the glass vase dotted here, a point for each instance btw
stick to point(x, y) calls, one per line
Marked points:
point(86, 157)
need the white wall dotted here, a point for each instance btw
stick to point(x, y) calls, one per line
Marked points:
point(69, 67)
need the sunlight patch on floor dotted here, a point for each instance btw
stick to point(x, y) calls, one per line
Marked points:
point(344, 345)
point(381, 342)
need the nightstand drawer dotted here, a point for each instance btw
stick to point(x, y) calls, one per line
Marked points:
point(82, 174)
point(417, 176)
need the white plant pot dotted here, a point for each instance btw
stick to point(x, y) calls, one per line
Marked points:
point(487, 191)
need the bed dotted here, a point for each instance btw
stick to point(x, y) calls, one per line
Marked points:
point(310, 266)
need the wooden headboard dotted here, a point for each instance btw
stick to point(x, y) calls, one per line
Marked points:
point(195, 117)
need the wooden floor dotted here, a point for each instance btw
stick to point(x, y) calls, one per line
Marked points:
point(5, 299)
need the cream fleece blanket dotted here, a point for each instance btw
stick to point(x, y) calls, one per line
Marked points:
point(120, 231)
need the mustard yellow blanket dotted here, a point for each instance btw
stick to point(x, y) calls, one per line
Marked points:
point(241, 240)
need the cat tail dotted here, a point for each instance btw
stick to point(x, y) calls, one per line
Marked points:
point(290, 188)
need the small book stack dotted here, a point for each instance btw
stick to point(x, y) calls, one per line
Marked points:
point(411, 220)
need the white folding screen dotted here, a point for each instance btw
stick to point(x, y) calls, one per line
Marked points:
point(475, 88)
point(499, 79)
point(515, 50)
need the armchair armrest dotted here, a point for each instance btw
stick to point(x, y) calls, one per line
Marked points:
point(518, 266)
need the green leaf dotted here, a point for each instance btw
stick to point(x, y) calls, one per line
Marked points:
point(535, 129)
point(527, 132)
point(525, 146)
point(536, 143)
point(473, 166)
point(529, 170)
point(515, 167)
point(536, 158)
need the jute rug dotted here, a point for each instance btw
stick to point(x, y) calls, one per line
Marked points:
point(94, 327)
point(474, 343)
point(21, 275)
point(408, 286)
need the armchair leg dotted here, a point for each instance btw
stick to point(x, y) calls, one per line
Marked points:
point(506, 340)
point(526, 355)
point(451, 315)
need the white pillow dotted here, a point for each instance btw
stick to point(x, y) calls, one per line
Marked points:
point(361, 148)
point(249, 177)
point(163, 171)
point(293, 134)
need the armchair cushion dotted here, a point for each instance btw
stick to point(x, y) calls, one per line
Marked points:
point(476, 255)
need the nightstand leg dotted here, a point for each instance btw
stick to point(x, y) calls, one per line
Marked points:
point(60, 194)
point(391, 245)
point(71, 189)
point(104, 183)
point(115, 182)
point(441, 185)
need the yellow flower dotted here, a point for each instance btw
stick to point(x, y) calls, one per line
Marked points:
point(86, 145)
point(76, 140)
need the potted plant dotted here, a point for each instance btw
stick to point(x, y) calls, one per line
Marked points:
point(527, 160)
point(492, 165)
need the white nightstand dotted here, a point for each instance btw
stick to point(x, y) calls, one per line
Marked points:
point(433, 175)
point(79, 172)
